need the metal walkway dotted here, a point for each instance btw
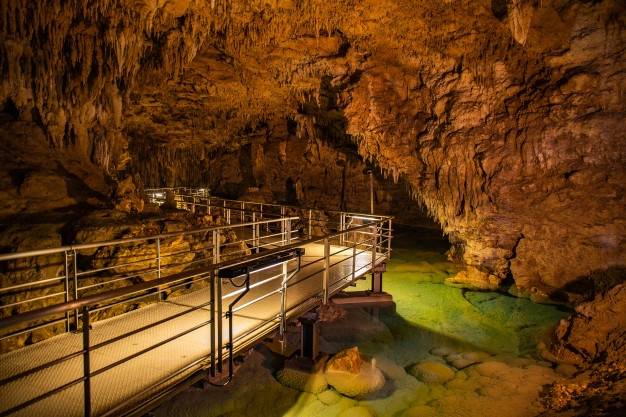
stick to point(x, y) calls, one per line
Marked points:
point(111, 361)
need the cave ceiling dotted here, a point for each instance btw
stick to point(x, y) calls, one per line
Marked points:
point(505, 117)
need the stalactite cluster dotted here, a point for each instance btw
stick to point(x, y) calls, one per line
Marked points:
point(496, 113)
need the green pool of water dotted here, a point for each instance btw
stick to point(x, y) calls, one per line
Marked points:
point(430, 313)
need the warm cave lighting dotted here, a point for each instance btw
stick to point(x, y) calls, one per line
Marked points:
point(313, 208)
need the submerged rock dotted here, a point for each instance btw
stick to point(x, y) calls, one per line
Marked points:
point(463, 360)
point(432, 372)
point(352, 375)
point(312, 381)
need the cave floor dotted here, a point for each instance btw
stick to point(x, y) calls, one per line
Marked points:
point(429, 317)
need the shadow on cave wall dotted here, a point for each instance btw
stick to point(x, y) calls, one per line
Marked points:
point(587, 287)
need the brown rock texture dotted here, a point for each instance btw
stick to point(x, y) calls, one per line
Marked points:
point(595, 332)
point(505, 118)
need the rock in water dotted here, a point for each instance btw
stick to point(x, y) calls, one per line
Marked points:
point(301, 380)
point(352, 375)
point(432, 372)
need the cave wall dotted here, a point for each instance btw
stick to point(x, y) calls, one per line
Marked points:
point(505, 118)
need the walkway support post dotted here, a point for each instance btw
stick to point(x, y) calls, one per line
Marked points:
point(326, 271)
point(86, 364)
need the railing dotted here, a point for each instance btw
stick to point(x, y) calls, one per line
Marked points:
point(123, 261)
point(314, 221)
point(188, 297)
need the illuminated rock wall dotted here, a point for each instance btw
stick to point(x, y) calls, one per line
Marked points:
point(505, 118)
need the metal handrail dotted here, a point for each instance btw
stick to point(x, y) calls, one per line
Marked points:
point(165, 189)
point(131, 289)
point(369, 237)
point(83, 246)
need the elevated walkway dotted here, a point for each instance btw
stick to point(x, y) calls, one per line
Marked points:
point(109, 362)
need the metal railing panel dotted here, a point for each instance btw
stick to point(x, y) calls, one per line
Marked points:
point(350, 246)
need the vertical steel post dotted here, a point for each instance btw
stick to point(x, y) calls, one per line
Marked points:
point(288, 231)
point(75, 272)
point(389, 240)
point(283, 301)
point(208, 205)
point(282, 232)
point(374, 244)
point(353, 257)
point(228, 216)
point(86, 364)
point(342, 226)
point(326, 271)
point(254, 231)
point(218, 300)
point(66, 268)
point(212, 285)
point(158, 254)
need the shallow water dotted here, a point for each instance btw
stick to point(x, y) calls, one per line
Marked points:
point(429, 313)
point(428, 316)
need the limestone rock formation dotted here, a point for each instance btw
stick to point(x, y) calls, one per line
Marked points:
point(432, 372)
point(595, 332)
point(352, 375)
point(505, 118)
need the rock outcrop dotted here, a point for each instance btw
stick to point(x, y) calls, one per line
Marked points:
point(595, 332)
point(352, 375)
point(505, 118)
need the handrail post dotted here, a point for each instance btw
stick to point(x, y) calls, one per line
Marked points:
point(283, 226)
point(66, 268)
point(212, 318)
point(218, 297)
point(389, 240)
point(283, 302)
point(353, 257)
point(288, 231)
point(158, 254)
point(326, 271)
point(86, 364)
point(216, 246)
point(75, 272)
point(374, 244)
point(342, 226)
point(254, 246)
